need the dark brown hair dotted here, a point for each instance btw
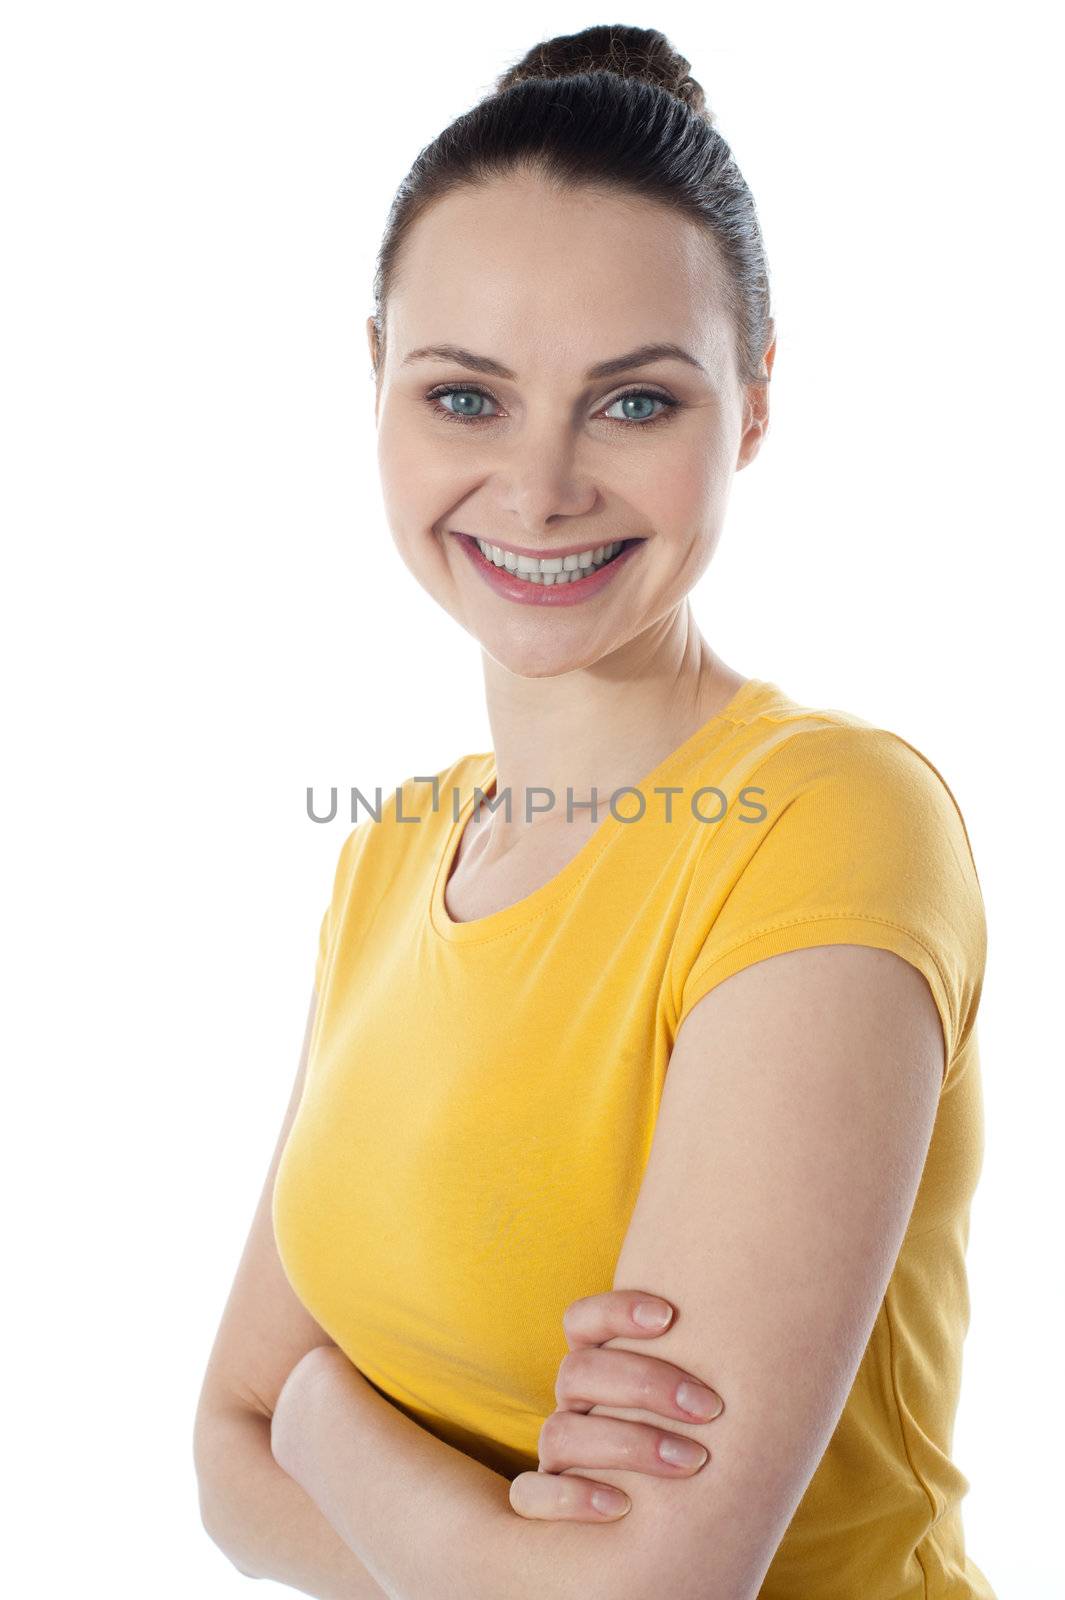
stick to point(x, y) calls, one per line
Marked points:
point(617, 109)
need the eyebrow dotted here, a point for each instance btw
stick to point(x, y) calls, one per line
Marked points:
point(643, 356)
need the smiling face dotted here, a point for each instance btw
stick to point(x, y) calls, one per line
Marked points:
point(535, 452)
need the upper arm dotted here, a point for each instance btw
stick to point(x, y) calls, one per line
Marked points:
point(796, 1116)
point(265, 1329)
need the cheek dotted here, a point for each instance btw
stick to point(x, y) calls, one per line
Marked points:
point(420, 480)
point(416, 502)
point(395, 450)
point(406, 487)
point(688, 487)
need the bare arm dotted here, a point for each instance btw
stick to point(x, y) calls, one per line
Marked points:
point(794, 1125)
point(257, 1515)
point(433, 1522)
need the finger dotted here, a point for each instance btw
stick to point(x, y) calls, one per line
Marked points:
point(543, 1497)
point(568, 1440)
point(640, 1383)
point(599, 1317)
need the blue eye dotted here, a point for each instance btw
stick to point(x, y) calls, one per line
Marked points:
point(641, 395)
point(465, 413)
point(470, 400)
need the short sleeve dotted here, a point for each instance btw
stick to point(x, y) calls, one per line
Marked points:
point(862, 842)
point(333, 916)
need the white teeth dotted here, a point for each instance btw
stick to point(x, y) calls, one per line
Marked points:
point(551, 569)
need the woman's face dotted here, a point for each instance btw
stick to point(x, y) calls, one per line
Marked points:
point(542, 457)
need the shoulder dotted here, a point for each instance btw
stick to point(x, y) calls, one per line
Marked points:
point(849, 770)
point(850, 834)
point(789, 749)
point(420, 796)
point(394, 820)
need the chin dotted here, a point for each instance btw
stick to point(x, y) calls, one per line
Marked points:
point(542, 658)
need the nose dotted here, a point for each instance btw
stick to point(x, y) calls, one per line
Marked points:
point(541, 478)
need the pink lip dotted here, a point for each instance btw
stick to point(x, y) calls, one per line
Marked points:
point(544, 594)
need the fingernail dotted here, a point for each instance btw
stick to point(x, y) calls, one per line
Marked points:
point(682, 1452)
point(699, 1402)
point(652, 1314)
point(611, 1502)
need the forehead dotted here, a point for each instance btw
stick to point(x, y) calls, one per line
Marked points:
point(535, 276)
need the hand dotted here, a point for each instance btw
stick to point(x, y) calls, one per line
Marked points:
point(591, 1376)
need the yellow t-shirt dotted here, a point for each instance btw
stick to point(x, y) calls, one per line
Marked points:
point(481, 1098)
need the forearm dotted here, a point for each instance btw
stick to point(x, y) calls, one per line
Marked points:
point(266, 1524)
point(428, 1521)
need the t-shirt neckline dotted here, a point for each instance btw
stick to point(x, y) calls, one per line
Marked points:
point(482, 929)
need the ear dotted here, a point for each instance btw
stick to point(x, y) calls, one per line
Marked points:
point(375, 361)
point(756, 406)
point(771, 349)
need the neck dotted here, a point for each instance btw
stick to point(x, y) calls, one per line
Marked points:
point(598, 728)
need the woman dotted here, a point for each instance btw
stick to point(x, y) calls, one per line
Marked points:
point(662, 864)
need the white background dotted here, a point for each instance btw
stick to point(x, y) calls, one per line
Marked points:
point(204, 613)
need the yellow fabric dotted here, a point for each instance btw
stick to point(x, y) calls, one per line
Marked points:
point(481, 1099)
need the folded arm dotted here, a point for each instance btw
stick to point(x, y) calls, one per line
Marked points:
point(250, 1507)
point(790, 1141)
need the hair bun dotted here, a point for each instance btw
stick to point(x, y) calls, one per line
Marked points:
point(629, 52)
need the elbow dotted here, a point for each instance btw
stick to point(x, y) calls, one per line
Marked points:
point(243, 1570)
point(216, 1512)
point(211, 1526)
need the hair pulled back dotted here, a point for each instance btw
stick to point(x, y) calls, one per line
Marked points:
point(611, 107)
